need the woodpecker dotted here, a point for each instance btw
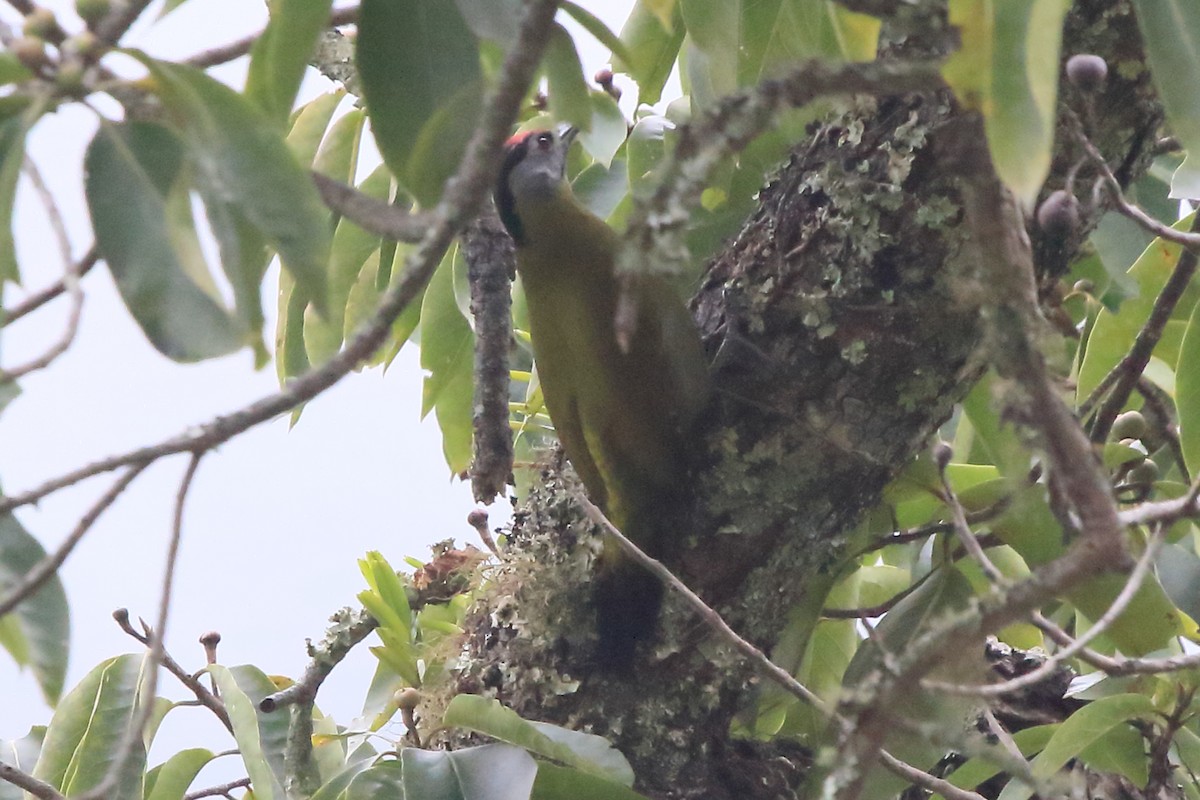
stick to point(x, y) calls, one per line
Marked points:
point(624, 415)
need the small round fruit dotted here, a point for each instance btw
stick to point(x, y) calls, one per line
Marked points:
point(1087, 72)
point(1143, 474)
point(408, 698)
point(1130, 425)
point(41, 23)
point(92, 11)
point(1058, 215)
point(30, 51)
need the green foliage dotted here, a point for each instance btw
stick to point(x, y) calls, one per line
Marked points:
point(35, 634)
point(1007, 69)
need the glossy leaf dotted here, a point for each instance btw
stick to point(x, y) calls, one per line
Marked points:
point(281, 54)
point(1178, 568)
point(777, 34)
point(608, 130)
point(13, 130)
point(252, 744)
point(651, 51)
point(1080, 730)
point(569, 97)
point(175, 775)
point(1171, 36)
point(88, 727)
point(414, 58)
point(23, 754)
point(133, 182)
point(498, 21)
point(583, 751)
point(980, 768)
point(352, 246)
point(1187, 392)
point(596, 27)
point(1121, 750)
point(448, 353)
point(309, 125)
point(441, 143)
point(1113, 334)
point(240, 157)
point(38, 630)
point(563, 783)
point(491, 772)
point(714, 42)
point(1007, 69)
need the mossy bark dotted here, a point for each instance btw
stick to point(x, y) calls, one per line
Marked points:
point(843, 325)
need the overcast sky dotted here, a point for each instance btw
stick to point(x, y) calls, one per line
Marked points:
point(275, 520)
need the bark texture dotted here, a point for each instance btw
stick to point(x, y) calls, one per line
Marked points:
point(843, 324)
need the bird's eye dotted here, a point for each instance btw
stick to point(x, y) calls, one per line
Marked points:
point(545, 139)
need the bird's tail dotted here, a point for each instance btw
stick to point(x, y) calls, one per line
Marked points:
point(627, 598)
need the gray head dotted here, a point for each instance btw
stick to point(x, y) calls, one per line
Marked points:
point(534, 166)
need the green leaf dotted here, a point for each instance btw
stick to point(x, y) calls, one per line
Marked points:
point(491, 772)
point(586, 752)
point(1007, 69)
point(1078, 731)
point(415, 57)
point(13, 131)
point(1178, 569)
point(240, 157)
point(309, 124)
point(714, 41)
point(88, 727)
point(335, 786)
point(981, 768)
point(37, 631)
point(1187, 392)
point(352, 246)
point(569, 97)
point(441, 143)
point(133, 177)
point(564, 783)
point(280, 55)
point(1121, 750)
point(448, 353)
point(498, 21)
point(1113, 334)
point(650, 50)
point(608, 131)
point(252, 744)
point(1171, 36)
point(596, 27)
point(12, 70)
point(176, 774)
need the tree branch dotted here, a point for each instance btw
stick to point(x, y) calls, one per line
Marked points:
point(23, 780)
point(42, 571)
point(373, 216)
point(239, 48)
point(464, 192)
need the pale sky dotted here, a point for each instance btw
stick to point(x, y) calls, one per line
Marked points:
point(276, 519)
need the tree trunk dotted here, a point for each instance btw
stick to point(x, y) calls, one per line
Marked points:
point(843, 322)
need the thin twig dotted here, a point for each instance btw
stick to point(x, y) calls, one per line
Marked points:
point(204, 697)
point(463, 195)
point(35, 301)
point(965, 535)
point(119, 19)
point(371, 214)
point(239, 48)
point(70, 280)
point(141, 717)
point(1119, 604)
point(1133, 363)
point(48, 566)
point(1191, 241)
point(23, 780)
point(757, 657)
point(222, 790)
